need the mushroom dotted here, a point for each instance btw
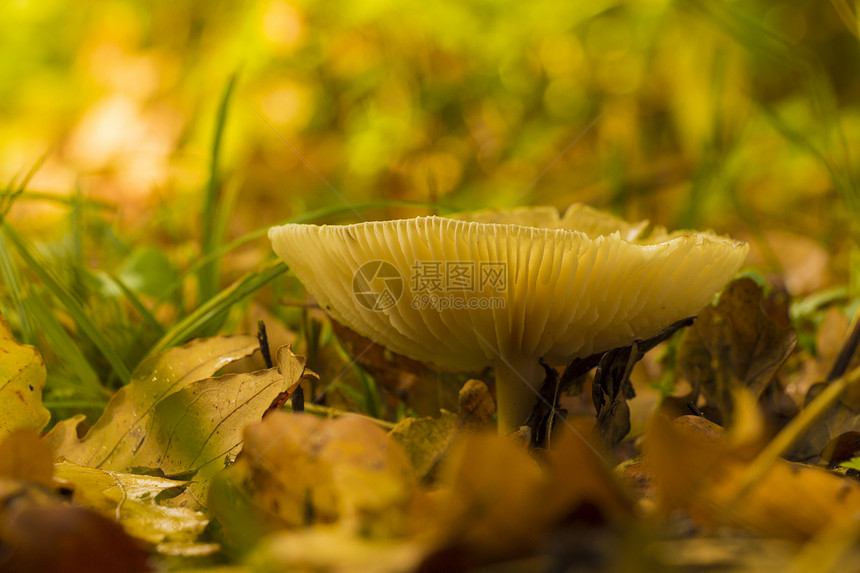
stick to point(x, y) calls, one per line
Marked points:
point(504, 289)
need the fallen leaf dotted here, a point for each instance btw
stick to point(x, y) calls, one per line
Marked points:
point(132, 501)
point(829, 338)
point(167, 421)
point(46, 535)
point(611, 387)
point(334, 550)
point(493, 506)
point(581, 473)
point(496, 501)
point(297, 470)
point(734, 343)
point(25, 457)
point(832, 437)
point(22, 377)
point(701, 474)
point(476, 406)
point(426, 440)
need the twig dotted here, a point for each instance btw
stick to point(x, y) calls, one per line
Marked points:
point(263, 339)
point(297, 400)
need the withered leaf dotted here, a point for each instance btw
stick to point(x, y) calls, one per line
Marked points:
point(25, 457)
point(494, 505)
point(426, 440)
point(734, 343)
point(298, 470)
point(67, 539)
point(497, 502)
point(167, 419)
point(611, 387)
point(476, 406)
point(41, 532)
point(701, 472)
point(131, 500)
point(334, 550)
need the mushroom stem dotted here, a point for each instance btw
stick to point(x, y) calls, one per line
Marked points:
point(518, 384)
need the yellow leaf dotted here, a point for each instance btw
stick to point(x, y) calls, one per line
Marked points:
point(702, 473)
point(500, 503)
point(131, 500)
point(24, 457)
point(426, 440)
point(296, 470)
point(494, 506)
point(22, 377)
point(168, 420)
point(334, 550)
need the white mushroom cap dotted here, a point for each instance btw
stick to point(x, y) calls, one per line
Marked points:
point(562, 293)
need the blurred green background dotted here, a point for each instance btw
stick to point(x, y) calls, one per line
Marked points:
point(740, 116)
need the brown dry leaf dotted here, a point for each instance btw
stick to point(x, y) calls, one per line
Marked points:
point(48, 535)
point(581, 473)
point(834, 437)
point(701, 473)
point(297, 470)
point(40, 532)
point(169, 422)
point(494, 507)
point(497, 502)
point(734, 343)
point(476, 406)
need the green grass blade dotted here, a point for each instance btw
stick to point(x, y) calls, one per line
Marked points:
point(64, 346)
point(138, 306)
point(304, 218)
point(72, 306)
point(12, 280)
point(371, 400)
point(212, 234)
point(217, 306)
point(14, 192)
